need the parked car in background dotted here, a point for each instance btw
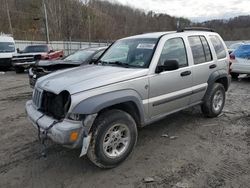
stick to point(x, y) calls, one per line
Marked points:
point(240, 59)
point(234, 46)
point(80, 57)
point(137, 81)
point(7, 49)
point(23, 59)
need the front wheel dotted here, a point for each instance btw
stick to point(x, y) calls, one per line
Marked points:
point(214, 101)
point(113, 139)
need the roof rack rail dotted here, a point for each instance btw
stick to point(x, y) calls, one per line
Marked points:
point(195, 29)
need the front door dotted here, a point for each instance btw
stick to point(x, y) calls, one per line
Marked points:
point(171, 90)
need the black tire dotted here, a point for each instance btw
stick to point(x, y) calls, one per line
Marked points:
point(102, 125)
point(19, 70)
point(235, 75)
point(208, 108)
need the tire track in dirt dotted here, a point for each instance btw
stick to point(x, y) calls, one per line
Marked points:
point(29, 152)
point(20, 96)
point(13, 88)
point(228, 171)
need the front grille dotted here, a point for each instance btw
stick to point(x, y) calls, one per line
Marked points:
point(37, 97)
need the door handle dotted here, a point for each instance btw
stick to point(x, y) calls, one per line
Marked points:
point(212, 66)
point(186, 73)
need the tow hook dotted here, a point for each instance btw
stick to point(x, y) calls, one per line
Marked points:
point(43, 136)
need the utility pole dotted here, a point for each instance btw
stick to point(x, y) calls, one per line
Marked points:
point(46, 22)
point(178, 24)
point(89, 31)
point(8, 13)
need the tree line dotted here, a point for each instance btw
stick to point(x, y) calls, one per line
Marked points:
point(96, 20)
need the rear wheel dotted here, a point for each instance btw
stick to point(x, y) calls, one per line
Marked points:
point(114, 137)
point(214, 101)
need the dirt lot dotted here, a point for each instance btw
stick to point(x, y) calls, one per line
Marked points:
point(205, 153)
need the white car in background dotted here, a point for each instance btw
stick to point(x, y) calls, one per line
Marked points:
point(7, 49)
point(240, 59)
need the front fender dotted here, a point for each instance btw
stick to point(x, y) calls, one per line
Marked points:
point(96, 103)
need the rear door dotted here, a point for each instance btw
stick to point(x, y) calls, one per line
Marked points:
point(203, 65)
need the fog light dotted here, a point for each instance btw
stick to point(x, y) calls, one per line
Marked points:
point(73, 136)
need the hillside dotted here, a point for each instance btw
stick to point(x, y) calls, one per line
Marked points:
point(99, 21)
point(233, 29)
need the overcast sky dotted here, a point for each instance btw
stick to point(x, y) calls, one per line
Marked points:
point(196, 10)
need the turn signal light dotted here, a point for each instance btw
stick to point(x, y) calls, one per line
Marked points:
point(73, 136)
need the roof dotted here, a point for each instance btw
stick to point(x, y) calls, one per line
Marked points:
point(156, 35)
point(151, 35)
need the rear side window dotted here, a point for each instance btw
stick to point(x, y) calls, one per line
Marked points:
point(200, 49)
point(218, 47)
point(206, 48)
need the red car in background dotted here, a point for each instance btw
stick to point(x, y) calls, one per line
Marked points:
point(24, 59)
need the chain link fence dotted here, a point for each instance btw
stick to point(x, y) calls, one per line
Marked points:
point(67, 46)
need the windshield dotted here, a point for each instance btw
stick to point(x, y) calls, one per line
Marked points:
point(39, 48)
point(7, 47)
point(243, 51)
point(130, 53)
point(81, 55)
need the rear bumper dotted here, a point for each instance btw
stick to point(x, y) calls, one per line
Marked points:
point(61, 131)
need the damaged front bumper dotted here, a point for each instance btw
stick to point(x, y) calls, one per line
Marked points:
point(61, 132)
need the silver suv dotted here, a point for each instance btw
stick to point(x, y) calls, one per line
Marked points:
point(139, 80)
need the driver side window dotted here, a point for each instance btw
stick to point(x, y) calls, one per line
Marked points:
point(174, 49)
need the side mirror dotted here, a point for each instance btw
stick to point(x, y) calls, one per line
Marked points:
point(18, 51)
point(169, 65)
point(93, 61)
point(51, 51)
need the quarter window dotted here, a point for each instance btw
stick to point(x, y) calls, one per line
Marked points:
point(174, 49)
point(200, 49)
point(218, 47)
point(207, 51)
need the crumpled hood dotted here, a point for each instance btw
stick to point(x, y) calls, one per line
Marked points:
point(87, 77)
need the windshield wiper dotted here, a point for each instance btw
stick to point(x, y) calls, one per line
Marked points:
point(126, 65)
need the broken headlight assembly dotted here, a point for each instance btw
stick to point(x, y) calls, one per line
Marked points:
point(56, 106)
point(76, 117)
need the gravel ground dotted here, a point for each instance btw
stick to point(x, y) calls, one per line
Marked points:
point(183, 150)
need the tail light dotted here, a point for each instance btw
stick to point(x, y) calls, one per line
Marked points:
point(232, 56)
